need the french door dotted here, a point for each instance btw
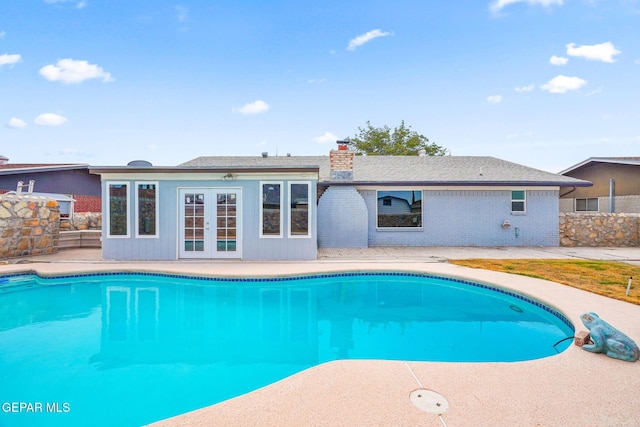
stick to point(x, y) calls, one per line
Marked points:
point(209, 222)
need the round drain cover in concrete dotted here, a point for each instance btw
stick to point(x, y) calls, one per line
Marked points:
point(429, 401)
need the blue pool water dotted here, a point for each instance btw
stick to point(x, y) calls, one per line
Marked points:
point(130, 349)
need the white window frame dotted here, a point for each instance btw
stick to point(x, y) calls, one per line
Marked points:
point(261, 218)
point(137, 211)
point(586, 203)
point(524, 210)
point(127, 235)
point(289, 212)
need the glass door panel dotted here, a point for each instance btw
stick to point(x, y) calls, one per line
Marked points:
point(208, 223)
point(226, 234)
point(193, 223)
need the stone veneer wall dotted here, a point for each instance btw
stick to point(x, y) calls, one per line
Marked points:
point(599, 229)
point(82, 221)
point(29, 225)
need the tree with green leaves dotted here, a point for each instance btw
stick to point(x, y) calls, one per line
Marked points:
point(402, 141)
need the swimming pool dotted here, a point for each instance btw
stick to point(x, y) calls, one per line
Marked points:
point(130, 349)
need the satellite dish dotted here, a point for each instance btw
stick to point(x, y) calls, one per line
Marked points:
point(139, 163)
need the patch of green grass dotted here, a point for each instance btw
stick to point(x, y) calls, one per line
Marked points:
point(605, 278)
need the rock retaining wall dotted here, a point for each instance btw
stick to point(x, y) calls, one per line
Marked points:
point(82, 221)
point(29, 225)
point(599, 229)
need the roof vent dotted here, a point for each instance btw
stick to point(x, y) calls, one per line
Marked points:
point(422, 152)
point(265, 154)
point(138, 163)
point(4, 160)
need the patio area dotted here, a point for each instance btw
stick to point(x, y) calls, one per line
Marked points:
point(573, 388)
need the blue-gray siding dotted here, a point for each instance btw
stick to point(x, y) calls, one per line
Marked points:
point(165, 247)
point(396, 206)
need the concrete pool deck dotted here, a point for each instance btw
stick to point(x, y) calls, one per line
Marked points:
point(573, 388)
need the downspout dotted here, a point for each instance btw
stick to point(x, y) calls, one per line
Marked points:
point(612, 187)
point(568, 192)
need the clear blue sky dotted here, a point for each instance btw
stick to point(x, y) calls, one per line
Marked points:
point(544, 83)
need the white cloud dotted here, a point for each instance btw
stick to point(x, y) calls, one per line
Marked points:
point(558, 60)
point(73, 152)
point(2, 34)
point(366, 37)
point(326, 138)
point(563, 84)
point(494, 99)
point(182, 13)
point(7, 59)
point(595, 91)
point(254, 107)
point(527, 88)
point(528, 134)
point(16, 123)
point(498, 5)
point(50, 119)
point(182, 16)
point(598, 52)
point(74, 71)
point(80, 4)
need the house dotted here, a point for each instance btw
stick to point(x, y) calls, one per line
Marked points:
point(71, 184)
point(616, 186)
point(259, 208)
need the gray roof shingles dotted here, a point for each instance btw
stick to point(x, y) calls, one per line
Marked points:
point(426, 170)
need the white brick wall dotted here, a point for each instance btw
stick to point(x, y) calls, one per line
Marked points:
point(474, 218)
point(347, 218)
point(342, 218)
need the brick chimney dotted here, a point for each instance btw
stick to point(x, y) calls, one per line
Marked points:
point(341, 162)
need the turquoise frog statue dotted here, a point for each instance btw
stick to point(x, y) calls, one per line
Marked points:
point(607, 339)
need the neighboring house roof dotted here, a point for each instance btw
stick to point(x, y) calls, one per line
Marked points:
point(409, 170)
point(18, 168)
point(634, 161)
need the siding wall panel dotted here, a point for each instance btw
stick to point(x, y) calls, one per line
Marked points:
point(165, 247)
